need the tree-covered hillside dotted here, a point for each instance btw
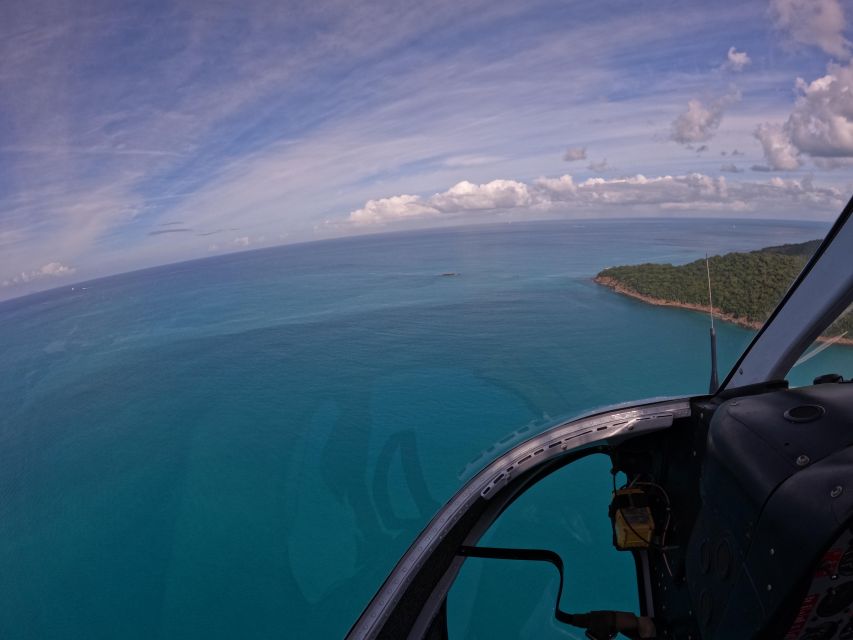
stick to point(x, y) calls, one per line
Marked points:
point(746, 286)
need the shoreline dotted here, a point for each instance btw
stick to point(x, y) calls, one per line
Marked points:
point(618, 287)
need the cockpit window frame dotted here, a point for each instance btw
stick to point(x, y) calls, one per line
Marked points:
point(822, 291)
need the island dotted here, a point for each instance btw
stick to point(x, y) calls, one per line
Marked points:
point(746, 286)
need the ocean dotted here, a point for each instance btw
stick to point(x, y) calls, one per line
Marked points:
point(243, 446)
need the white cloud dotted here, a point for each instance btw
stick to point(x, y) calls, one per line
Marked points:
point(497, 194)
point(701, 192)
point(242, 241)
point(819, 23)
point(391, 209)
point(558, 189)
point(822, 121)
point(662, 190)
point(695, 124)
point(819, 126)
point(55, 269)
point(778, 150)
point(50, 270)
point(736, 60)
point(575, 153)
point(693, 191)
point(700, 122)
point(461, 197)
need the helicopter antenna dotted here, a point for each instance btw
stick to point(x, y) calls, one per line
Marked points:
point(714, 384)
point(710, 299)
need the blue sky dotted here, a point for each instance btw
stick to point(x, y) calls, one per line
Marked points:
point(136, 134)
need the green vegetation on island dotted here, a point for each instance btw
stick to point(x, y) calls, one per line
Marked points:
point(746, 286)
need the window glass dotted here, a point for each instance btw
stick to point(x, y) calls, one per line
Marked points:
point(831, 353)
point(566, 513)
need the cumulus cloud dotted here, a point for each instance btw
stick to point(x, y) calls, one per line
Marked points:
point(50, 270)
point(560, 188)
point(700, 121)
point(575, 153)
point(700, 191)
point(730, 168)
point(685, 192)
point(497, 194)
point(667, 191)
point(818, 23)
point(54, 269)
point(822, 121)
point(461, 197)
point(736, 60)
point(820, 124)
point(778, 150)
point(391, 209)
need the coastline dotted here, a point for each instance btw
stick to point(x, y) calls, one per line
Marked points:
point(618, 287)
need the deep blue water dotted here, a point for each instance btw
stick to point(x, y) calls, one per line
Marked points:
point(225, 448)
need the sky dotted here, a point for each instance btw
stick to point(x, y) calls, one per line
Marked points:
point(134, 134)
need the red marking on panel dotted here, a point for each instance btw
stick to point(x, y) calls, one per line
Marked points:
point(802, 617)
point(829, 563)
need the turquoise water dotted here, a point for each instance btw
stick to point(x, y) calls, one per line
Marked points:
point(243, 446)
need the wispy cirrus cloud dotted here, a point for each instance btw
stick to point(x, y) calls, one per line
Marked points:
point(159, 232)
point(457, 162)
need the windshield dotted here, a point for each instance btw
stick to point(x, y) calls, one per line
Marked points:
point(276, 279)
